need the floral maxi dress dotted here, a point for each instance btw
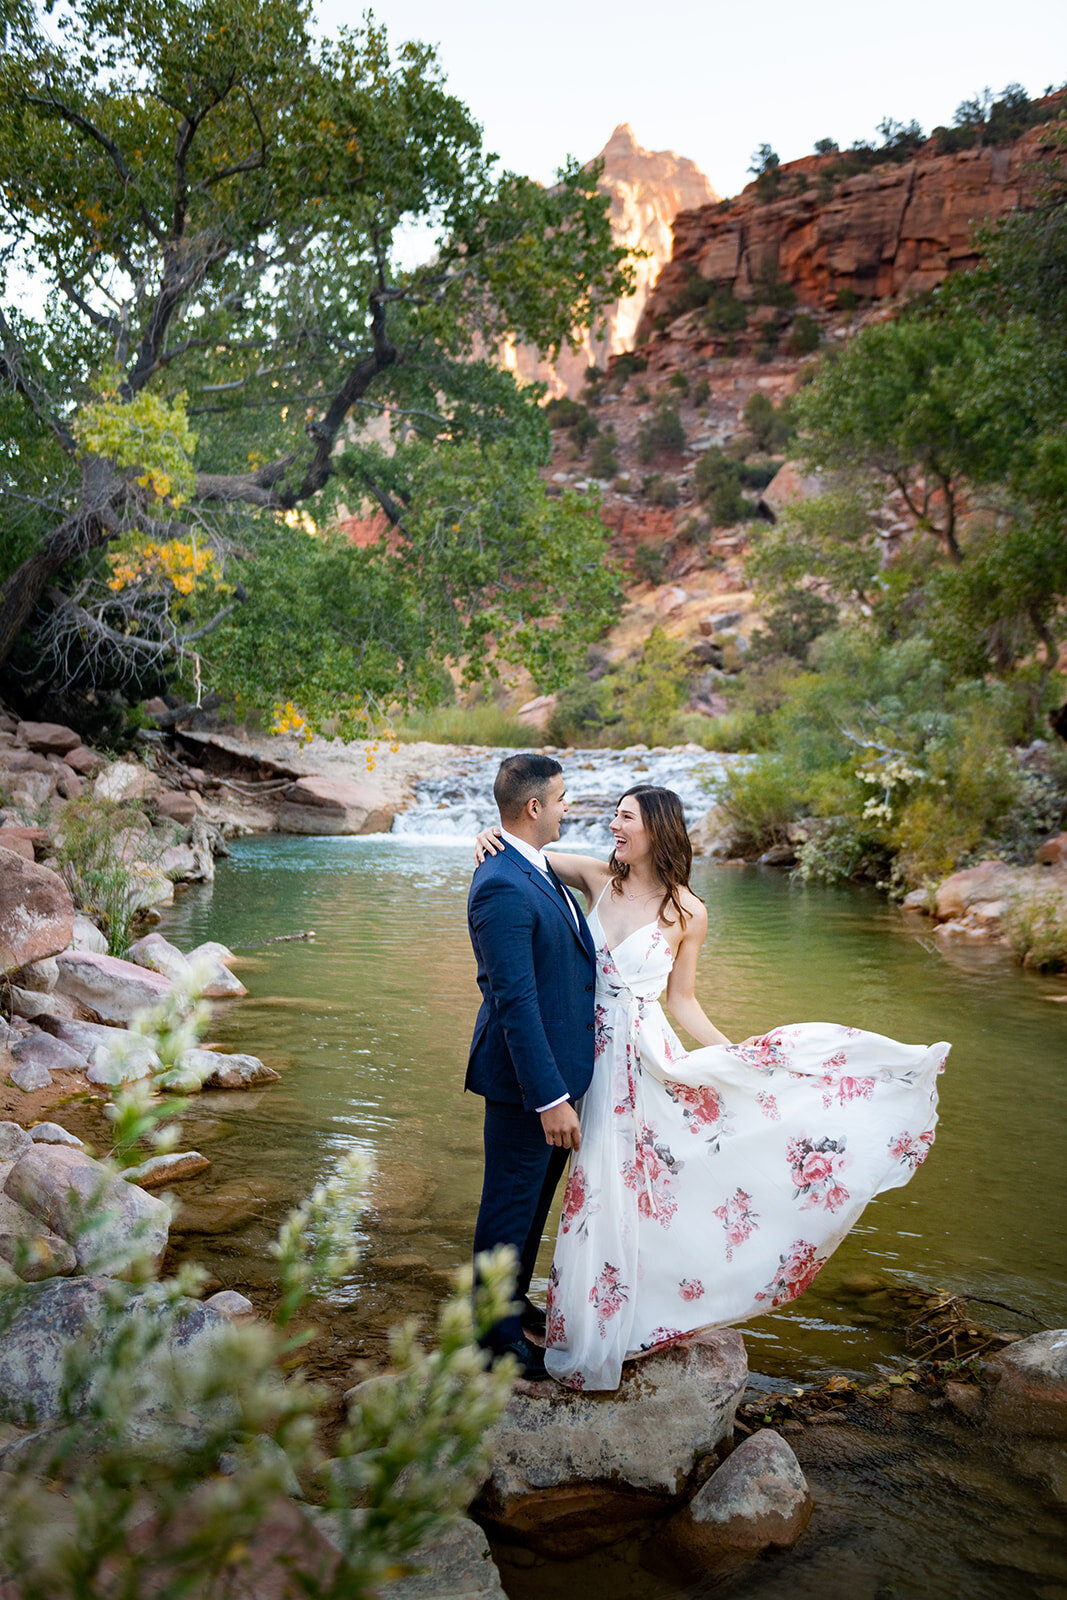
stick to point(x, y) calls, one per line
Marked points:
point(712, 1186)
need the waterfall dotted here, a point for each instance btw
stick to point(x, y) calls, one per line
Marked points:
point(451, 808)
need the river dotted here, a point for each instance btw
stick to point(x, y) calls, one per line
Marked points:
point(369, 1025)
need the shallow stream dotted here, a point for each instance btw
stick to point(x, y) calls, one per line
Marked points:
point(369, 1025)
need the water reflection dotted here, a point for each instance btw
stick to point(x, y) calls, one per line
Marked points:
point(370, 1022)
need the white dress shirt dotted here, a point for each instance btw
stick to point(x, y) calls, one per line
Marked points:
point(537, 859)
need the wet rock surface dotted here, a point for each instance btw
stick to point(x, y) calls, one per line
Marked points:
point(570, 1470)
point(758, 1498)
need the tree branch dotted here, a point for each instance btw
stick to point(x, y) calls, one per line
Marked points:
point(12, 354)
point(58, 108)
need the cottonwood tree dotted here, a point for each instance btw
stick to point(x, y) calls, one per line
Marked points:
point(208, 341)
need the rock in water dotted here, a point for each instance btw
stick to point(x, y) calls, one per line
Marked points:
point(757, 1498)
point(1031, 1386)
point(218, 1071)
point(574, 1471)
point(334, 805)
point(56, 1183)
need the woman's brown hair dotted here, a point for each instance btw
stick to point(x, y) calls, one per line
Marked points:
point(672, 853)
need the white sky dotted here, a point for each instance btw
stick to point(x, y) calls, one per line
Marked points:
point(548, 78)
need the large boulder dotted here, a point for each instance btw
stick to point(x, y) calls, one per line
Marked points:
point(49, 1319)
point(125, 780)
point(48, 1052)
point(989, 880)
point(179, 805)
point(455, 1564)
point(789, 487)
point(113, 990)
point(1030, 1396)
point(36, 912)
point(58, 1183)
point(573, 1471)
point(758, 1498)
point(34, 1251)
point(158, 955)
point(48, 738)
point(334, 805)
point(716, 833)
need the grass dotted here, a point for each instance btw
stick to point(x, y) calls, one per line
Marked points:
point(1036, 926)
point(480, 724)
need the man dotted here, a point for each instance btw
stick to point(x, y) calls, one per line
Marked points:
point(532, 1052)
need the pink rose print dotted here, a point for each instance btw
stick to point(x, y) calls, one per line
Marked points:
point(652, 1175)
point(602, 1032)
point(607, 1296)
point(769, 1106)
point(909, 1150)
point(662, 1336)
point(691, 1289)
point(555, 1327)
point(701, 1108)
point(796, 1272)
point(813, 1168)
point(738, 1220)
point(579, 1203)
point(766, 1053)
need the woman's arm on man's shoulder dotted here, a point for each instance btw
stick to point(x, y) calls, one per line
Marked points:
point(587, 873)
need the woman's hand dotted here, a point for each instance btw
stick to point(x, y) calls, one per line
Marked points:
point(487, 844)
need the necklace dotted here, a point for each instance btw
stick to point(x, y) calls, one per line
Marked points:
point(647, 896)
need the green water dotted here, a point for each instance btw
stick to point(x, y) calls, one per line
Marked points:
point(369, 1026)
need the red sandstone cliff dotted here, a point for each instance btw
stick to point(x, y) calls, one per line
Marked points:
point(894, 230)
point(647, 189)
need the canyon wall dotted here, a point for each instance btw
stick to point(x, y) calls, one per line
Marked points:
point(647, 189)
point(896, 229)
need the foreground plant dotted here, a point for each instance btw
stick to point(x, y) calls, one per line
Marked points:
point(179, 1437)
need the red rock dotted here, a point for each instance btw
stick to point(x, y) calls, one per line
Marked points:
point(896, 229)
point(757, 1499)
point(113, 990)
point(36, 912)
point(12, 840)
point(1031, 1386)
point(83, 761)
point(334, 805)
point(989, 880)
point(178, 805)
point(52, 738)
point(1053, 853)
point(26, 761)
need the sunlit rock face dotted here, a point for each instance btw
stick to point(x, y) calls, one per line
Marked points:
point(647, 188)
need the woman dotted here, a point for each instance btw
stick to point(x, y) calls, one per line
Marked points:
point(710, 1185)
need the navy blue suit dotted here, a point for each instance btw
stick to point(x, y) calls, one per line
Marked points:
point(532, 1044)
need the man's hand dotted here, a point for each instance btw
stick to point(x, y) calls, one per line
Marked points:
point(562, 1127)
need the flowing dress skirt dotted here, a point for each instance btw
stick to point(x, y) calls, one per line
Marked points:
point(712, 1185)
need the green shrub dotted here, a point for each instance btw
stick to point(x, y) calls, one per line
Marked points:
point(770, 426)
point(649, 561)
point(724, 314)
point(764, 797)
point(662, 432)
point(679, 381)
point(625, 365)
point(700, 391)
point(563, 412)
point(99, 843)
point(660, 490)
point(1036, 926)
point(804, 336)
point(846, 300)
point(718, 485)
point(603, 462)
point(756, 474)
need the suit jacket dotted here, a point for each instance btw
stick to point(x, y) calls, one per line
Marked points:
point(533, 1038)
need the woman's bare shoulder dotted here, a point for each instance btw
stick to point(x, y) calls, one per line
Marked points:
point(696, 912)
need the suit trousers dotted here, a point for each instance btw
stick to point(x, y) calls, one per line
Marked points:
point(521, 1175)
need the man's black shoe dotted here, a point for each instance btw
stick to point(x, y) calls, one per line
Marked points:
point(531, 1360)
point(533, 1319)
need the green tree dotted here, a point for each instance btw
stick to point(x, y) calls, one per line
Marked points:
point(227, 347)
